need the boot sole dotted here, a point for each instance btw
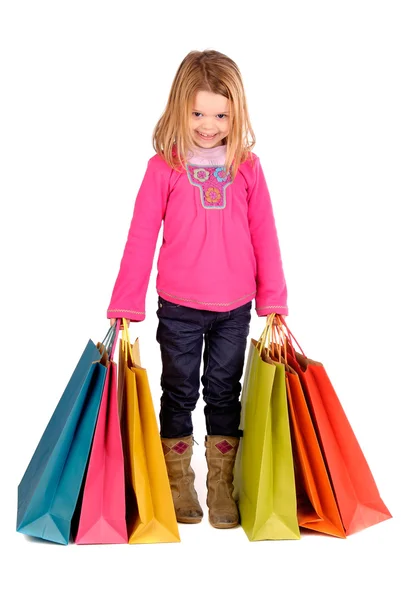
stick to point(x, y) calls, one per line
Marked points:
point(188, 521)
point(223, 525)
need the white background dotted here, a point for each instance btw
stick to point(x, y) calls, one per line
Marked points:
point(83, 84)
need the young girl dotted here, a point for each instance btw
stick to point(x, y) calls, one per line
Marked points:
point(219, 252)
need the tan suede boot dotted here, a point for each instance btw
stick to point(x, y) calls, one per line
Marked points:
point(220, 455)
point(177, 454)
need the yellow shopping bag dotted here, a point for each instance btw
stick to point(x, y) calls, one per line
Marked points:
point(264, 473)
point(150, 511)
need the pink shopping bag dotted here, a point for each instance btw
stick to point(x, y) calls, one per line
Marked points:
point(102, 515)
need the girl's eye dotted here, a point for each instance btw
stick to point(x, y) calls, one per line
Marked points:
point(196, 114)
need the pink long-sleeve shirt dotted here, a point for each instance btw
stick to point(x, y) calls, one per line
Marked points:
point(220, 247)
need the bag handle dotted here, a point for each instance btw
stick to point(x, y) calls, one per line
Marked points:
point(290, 337)
point(116, 326)
point(279, 339)
point(105, 344)
point(266, 334)
point(126, 339)
point(278, 346)
point(109, 341)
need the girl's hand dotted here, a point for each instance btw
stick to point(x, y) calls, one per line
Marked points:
point(276, 320)
point(112, 321)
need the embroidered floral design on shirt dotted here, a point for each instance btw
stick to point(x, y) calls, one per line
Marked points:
point(201, 175)
point(212, 183)
point(220, 174)
point(212, 195)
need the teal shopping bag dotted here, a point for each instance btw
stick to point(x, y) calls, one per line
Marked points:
point(49, 489)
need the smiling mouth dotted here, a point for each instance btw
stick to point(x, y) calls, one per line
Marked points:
point(206, 137)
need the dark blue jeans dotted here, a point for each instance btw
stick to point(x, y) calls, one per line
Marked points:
point(180, 333)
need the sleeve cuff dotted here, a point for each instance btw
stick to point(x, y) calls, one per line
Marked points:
point(132, 315)
point(263, 311)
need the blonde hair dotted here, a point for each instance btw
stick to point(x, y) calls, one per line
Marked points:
point(209, 71)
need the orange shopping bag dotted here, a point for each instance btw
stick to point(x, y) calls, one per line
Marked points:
point(357, 496)
point(316, 504)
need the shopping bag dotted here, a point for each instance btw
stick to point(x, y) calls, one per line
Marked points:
point(102, 511)
point(150, 510)
point(316, 503)
point(49, 490)
point(357, 495)
point(264, 471)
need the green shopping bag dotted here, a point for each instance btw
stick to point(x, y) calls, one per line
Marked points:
point(264, 473)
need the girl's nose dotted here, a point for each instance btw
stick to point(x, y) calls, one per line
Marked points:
point(207, 122)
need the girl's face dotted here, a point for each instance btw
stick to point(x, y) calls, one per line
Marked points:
point(209, 119)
